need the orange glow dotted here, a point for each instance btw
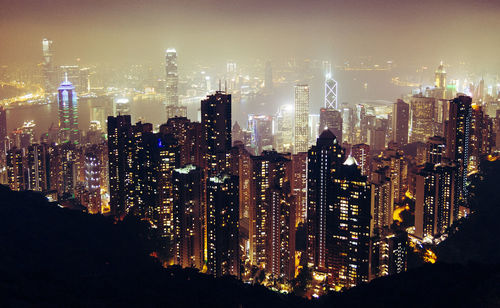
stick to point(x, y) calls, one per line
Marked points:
point(430, 256)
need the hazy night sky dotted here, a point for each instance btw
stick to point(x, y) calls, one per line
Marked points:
point(137, 31)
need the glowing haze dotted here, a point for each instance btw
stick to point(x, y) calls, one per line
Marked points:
point(408, 32)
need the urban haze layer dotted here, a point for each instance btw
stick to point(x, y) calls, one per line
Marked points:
point(275, 169)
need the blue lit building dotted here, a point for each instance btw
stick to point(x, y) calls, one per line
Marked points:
point(68, 113)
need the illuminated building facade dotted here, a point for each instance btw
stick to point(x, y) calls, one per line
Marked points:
point(361, 153)
point(261, 127)
point(3, 129)
point(331, 93)
point(270, 195)
point(48, 66)
point(172, 82)
point(435, 150)
point(299, 186)
point(331, 119)
point(36, 166)
point(351, 227)
point(382, 191)
point(120, 161)
point(188, 217)
point(283, 138)
point(15, 172)
point(458, 145)
point(422, 118)
point(222, 226)
point(400, 120)
point(93, 179)
point(216, 125)
point(68, 113)
point(324, 161)
point(301, 143)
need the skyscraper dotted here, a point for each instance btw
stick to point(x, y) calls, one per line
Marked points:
point(324, 160)
point(172, 82)
point(68, 113)
point(222, 226)
point(422, 118)
point(330, 92)
point(3, 128)
point(301, 118)
point(188, 217)
point(216, 123)
point(48, 65)
point(120, 161)
point(261, 127)
point(457, 145)
point(272, 214)
point(400, 119)
point(331, 119)
point(93, 179)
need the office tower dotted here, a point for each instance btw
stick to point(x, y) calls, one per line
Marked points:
point(382, 191)
point(376, 138)
point(361, 153)
point(347, 122)
point(15, 171)
point(324, 161)
point(330, 92)
point(36, 167)
point(3, 129)
point(268, 79)
point(283, 139)
point(299, 186)
point(216, 125)
point(440, 76)
point(121, 106)
point(435, 150)
point(222, 227)
point(27, 135)
point(48, 66)
point(313, 127)
point(331, 119)
point(68, 113)
point(481, 129)
point(261, 127)
point(422, 118)
point(272, 214)
point(120, 161)
point(188, 217)
point(301, 118)
point(93, 170)
point(173, 108)
point(434, 199)
point(457, 146)
point(400, 119)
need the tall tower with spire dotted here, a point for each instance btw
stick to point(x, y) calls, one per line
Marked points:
point(440, 76)
point(172, 81)
point(68, 112)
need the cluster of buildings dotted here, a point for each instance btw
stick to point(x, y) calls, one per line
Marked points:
point(232, 201)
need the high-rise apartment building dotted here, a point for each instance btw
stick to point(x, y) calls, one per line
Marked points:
point(216, 126)
point(188, 217)
point(457, 146)
point(222, 226)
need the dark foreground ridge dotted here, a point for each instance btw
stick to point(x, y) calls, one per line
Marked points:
point(57, 257)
